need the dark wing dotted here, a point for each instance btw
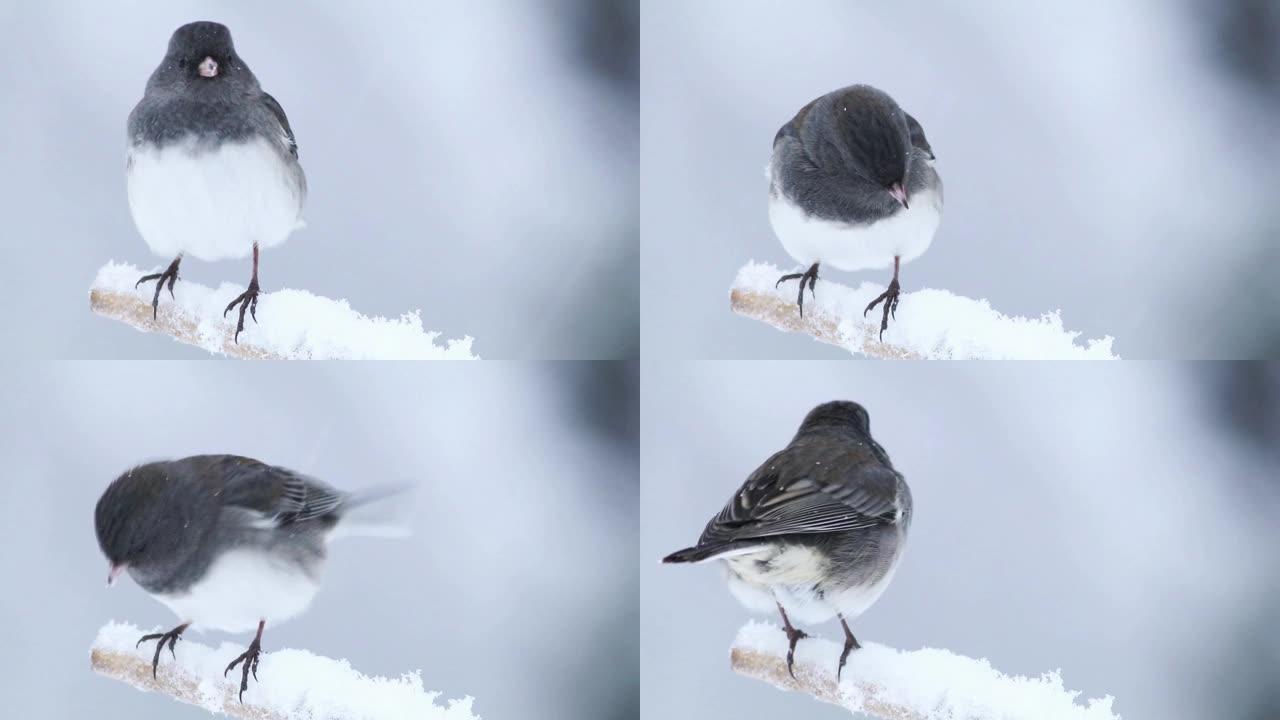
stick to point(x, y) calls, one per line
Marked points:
point(278, 111)
point(281, 496)
point(808, 489)
point(917, 135)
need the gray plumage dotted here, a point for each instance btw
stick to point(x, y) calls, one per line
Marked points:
point(168, 521)
point(839, 154)
point(852, 186)
point(227, 542)
point(818, 528)
point(179, 105)
point(212, 165)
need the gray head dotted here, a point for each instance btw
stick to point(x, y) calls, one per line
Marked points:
point(840, 415)
point(202, 60)
point(143, 520)
point(861, 130)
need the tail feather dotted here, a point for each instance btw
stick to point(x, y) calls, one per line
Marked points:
point(382, 520)
point(702, 553)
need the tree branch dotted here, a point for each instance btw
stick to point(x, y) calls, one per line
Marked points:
point(295, 324)
point(295, 685)
point(926, 684)
point(932, 324)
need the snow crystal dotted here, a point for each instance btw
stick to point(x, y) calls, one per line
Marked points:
point(293, 323)
point(935, 684)
point(930, 323)
point(294, 683)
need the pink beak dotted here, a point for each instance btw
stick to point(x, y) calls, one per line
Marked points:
point(899, 193)
point(113, 573)
point(208, 67)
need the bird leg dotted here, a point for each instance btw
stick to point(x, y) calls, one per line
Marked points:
point(810, 276)
point(170, 275)
point(890, 298)
point(250, 659)
point(850, 643)
point(170, 637)
point(247, 300)
point(793, 636)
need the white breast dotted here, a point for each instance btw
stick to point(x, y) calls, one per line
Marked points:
point(241, 588)
point(212, 204)
point(791, 578)
point(906, 234)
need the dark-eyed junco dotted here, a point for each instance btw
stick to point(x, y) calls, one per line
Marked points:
point(817, 530)
point(227, 542)
point(852, 185)
point(212, 165)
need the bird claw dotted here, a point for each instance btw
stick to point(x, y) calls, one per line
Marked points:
point(890, 298)
point(170, 637)
point(793, 636)
point(169, 276)
point(249, 658)
point(810, 276)
point(247, 300)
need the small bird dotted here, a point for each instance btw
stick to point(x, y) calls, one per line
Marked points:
point(817, 530)
point(226, 542)
point(852, 184)
point(212, 162)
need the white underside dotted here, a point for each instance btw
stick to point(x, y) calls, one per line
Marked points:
point(906, 234)
point(790, 582)
point(241, 588)
point(212, 205)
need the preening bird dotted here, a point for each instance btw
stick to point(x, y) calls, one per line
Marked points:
point(212, 161)
point(852, 185)
point(817, 530)
point(226, 542)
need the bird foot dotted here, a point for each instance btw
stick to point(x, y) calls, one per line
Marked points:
point(250, 659)
point(810, 276)
point(170, 637)
point(890, 299)
point(850, 644)
point(793, 636)
point(170, 275)
point(247, 300)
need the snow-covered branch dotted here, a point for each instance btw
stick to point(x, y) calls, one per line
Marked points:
point(294, 683)
point(932, 324)
point(926, 684)
point(294, 323)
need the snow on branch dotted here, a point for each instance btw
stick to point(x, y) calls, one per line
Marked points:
point(294, 324)
point(294, 683)
point(926, 684)
point(932, 324)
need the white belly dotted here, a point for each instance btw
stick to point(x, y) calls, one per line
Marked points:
point(906, 234)
point(241, 588)
point(212, 205)
point(790, 582)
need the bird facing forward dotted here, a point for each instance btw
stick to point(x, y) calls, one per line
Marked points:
point(226, 542)
point(817, 530)
point(852, 184)
point(212, 162)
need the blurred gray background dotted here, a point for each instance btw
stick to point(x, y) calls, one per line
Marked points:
point(519, 585)
point(1117, 161)
point(477, 160)
point(1115, 521)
